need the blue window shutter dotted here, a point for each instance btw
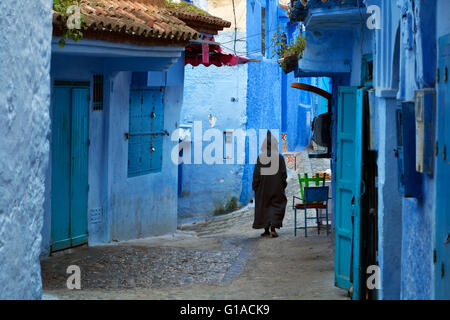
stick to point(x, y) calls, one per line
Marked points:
point(154, 106)
point(146, 125)
point(135, 159)
point(146, 128)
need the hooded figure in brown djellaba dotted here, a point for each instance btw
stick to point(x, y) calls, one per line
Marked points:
point(269, 185)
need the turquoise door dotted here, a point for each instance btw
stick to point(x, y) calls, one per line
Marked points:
point(442, 235)
point(69, 166)
point(348, 189)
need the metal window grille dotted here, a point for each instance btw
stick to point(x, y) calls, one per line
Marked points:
point(98, 92)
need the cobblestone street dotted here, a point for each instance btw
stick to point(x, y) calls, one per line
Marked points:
point(221, 258)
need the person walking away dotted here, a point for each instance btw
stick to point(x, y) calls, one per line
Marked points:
point(269, 185)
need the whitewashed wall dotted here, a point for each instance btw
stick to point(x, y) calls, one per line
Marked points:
point(24, 148)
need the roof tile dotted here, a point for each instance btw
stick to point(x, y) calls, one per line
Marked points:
point(142, 22)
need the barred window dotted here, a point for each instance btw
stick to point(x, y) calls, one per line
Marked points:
point(98, 92)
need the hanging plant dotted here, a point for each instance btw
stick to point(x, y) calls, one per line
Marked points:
point(72, 20)
point(288, 54)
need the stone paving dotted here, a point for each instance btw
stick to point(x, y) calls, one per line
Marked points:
point(221, 258)
point(130, 266)
point(303, 164)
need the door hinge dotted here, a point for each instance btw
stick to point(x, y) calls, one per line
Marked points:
point(445, 74)
point(434, 256)
point(442, 270)
point(89, 142)
point(437, 148)
point(437, 75)
point(444, 153)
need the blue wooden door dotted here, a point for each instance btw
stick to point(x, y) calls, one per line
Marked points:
point(79, 186)
point(69, 166)
point(60, 198)
point(348, 189)
point(442, 235)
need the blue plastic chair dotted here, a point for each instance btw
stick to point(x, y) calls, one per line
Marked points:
point(315, 198)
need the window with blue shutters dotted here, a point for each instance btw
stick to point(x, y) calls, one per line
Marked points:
point(146, 131)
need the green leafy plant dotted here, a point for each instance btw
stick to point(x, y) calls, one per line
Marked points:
point(185, 5)
point(230, 206)
point(287, 53)
point(61, 7)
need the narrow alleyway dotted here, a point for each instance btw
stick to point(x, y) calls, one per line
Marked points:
point(222, 258)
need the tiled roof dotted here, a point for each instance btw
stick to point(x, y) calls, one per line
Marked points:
point(144, 22)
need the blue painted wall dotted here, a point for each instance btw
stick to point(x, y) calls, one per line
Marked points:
point(405, 226)
point(418, 214)
point(145, 205)
point(264, 84)
point(406, 62)
point(24, 147)
point(220, 92)
point(417, 222)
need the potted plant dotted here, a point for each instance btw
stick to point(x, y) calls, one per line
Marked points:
point(288, 53)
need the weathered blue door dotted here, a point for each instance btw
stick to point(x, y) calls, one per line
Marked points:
point(60, 167)
point(69, 166)
point(442, 235)
point(348, 189)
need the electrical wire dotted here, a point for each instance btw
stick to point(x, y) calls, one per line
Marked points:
point(268, 46)
point(250, 36)
point(235, 26)
point(235, 40)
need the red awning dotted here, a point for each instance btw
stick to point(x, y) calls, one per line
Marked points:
point(210, 53)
